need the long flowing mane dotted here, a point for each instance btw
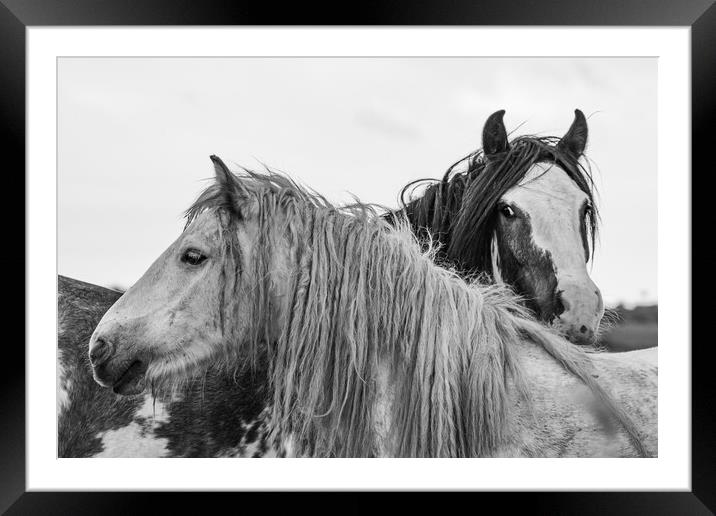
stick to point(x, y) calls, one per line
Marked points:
point(460, 210)
point(362, 294)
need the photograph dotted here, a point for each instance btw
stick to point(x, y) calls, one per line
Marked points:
point(409, 247)
point(357, 257)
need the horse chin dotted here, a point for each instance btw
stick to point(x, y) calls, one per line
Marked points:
point(168, 373)
point(132, 381)
point(583, 343)
point(586, 343)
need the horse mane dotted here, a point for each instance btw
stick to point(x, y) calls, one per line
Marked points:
point(460, 209)
point(362, 294)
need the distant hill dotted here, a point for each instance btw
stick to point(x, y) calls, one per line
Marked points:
point(632, 328)
point(642, 314)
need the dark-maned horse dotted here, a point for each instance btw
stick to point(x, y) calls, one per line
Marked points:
point(367, 347)
point(523, 212)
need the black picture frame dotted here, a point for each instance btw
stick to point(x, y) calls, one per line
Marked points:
point(16, 15)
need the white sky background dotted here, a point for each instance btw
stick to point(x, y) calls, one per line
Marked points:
point(135, 137)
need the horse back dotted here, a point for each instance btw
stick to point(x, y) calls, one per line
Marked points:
point(84, 410)
point(565, 419)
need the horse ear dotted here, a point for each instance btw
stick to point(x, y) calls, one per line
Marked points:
point(237, 196)
point(494, 134)
point(575, 140)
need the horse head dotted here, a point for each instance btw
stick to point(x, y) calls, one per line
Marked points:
point(194, 301)
point(543, 220)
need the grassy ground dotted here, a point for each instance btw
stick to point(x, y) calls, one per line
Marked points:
point(635, 328)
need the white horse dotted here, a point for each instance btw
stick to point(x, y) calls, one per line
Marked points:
point(369, 348)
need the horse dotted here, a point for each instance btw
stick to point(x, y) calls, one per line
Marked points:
point(524, 213)
point(368, 347)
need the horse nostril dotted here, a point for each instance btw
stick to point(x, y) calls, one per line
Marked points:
point(100, 351)
point(583, 329)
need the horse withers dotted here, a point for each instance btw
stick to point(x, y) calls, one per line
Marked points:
point(370, 349)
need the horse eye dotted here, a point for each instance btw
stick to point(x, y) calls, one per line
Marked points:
point(588, 209)
point(193, 257)
point(507, 211)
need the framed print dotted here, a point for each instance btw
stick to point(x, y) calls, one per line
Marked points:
point(436, 251)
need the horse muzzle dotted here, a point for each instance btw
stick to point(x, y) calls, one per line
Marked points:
point(123, 373)
point(582, 335)
point(582, 311)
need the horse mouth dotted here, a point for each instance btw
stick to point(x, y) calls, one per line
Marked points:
point(132, 380)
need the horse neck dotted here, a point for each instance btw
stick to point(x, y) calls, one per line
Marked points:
point(369, 302)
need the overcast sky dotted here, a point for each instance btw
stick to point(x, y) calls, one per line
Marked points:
point(135, 137)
